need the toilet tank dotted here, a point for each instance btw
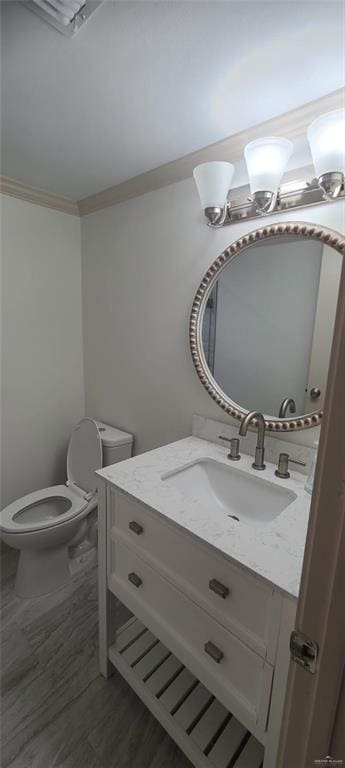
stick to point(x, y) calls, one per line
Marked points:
point(116, 444)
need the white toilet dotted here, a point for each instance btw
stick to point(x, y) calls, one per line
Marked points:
point(48, 525)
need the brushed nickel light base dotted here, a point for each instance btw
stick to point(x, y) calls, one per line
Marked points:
point(216, 215)
point(294, 194)
point(265, 202)
point(331, 184)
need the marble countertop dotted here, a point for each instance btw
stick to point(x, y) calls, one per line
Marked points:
point(273, 551)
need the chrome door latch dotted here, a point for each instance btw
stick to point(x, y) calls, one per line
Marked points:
point(304, 651)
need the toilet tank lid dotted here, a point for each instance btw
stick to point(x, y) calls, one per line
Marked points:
point(111, 436)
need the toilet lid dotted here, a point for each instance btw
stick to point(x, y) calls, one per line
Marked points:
point(84, 455)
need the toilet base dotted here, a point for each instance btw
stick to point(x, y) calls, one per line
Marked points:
point(40, 572)
point(84, 561)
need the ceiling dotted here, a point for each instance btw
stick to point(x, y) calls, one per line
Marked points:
point(144, 83)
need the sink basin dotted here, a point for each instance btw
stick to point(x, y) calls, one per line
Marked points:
point(237, 494)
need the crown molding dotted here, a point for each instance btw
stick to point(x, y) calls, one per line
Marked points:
point(38, 196)
point(290, 124)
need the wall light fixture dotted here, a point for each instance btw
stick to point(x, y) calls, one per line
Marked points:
point(326, 136)
point(267, 159)
point(213, 181)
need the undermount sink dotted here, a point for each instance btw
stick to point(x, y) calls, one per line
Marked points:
point(236, 493)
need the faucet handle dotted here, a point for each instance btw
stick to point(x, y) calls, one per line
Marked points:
point(234, 454)
point(283, 465)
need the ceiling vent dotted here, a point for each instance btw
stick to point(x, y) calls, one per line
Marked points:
point(67, 16)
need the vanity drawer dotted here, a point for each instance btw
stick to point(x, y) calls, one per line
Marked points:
point(236, 599)
point(237, 676)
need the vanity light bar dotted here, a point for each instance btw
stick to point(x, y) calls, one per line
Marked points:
point(67, 16)
point(292, 194)
point(267, 159)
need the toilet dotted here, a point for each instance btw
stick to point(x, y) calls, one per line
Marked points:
point(53, 525)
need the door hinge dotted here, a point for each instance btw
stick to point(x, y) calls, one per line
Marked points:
point(304, 651)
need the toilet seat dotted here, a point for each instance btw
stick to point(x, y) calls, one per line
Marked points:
point(50, 507)
point(18, 517)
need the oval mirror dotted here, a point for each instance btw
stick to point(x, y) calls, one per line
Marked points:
point(262, 323)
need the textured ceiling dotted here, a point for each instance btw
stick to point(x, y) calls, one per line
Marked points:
point(145, 82)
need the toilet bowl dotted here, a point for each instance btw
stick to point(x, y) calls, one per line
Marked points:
point(46, 526)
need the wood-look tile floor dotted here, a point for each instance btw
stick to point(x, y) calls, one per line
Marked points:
point(56, 710)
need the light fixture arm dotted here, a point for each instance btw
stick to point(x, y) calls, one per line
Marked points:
point(265, 202)
point(216, 216)
point(332, 184)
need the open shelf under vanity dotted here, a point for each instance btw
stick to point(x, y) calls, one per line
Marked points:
point(206, 731)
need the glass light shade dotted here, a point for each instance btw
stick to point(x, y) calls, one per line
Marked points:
point(213, 181)
point(266, 161)
point(326, 136)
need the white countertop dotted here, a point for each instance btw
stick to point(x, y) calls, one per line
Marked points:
point(272, 550)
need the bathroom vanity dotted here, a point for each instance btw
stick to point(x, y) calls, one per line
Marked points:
point(201, 547)
point(206, 554)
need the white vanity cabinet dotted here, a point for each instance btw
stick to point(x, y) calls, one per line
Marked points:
point(206, 646)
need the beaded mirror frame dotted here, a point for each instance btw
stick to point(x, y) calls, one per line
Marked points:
point(297, 229)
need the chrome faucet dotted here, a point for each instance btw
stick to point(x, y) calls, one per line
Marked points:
point(260, 446)
point(287, 404)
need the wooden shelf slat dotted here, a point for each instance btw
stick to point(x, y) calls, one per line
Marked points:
point(164, 675)
point(211, 721)
point(130, 632)
point(203, 728)
point(252, 755)
point(139, 647)
point(193, 707)
point(151, 661)
point(228, 743)
point(177, 691)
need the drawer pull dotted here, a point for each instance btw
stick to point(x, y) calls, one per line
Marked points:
point(135, 579)
point(136, 527)
point(219, 588)
point(216, 654)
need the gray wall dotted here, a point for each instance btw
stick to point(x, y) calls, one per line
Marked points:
point(142, 262)
point(42, 367)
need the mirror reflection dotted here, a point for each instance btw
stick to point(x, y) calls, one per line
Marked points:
point(267, 325)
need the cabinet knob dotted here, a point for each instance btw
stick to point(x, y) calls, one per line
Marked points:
point(216, 654)
point(136, 527)
point(219, 588)
point(135, 579)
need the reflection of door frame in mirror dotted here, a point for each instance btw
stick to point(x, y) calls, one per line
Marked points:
point(210, 343)
point(297, 229)
point(323, 327)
